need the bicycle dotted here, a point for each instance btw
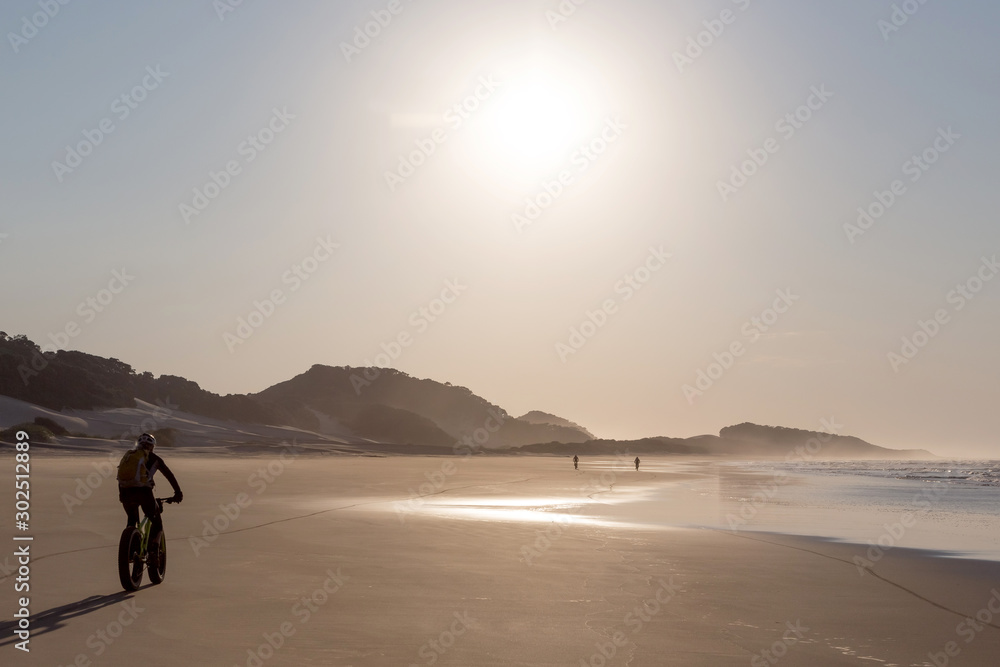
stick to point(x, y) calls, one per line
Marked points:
point(133, 556)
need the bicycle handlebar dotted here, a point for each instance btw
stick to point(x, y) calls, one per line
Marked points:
point(160, 501)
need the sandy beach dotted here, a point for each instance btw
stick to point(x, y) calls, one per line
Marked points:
point(370, 275)
point(307, 560)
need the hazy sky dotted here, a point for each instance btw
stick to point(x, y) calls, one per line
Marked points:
point(510, 167)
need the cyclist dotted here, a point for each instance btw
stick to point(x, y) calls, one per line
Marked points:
point(135, 484)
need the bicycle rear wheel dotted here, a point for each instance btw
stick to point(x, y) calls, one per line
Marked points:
point(158, 560)
point(130, 559)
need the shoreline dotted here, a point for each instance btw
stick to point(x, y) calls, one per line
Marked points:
point(696, 492)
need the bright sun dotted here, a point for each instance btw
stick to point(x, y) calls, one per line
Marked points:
point(537, 119)
point(533, 124)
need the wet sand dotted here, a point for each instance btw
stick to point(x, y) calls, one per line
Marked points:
point(494, 561)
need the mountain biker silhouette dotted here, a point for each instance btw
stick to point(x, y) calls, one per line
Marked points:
point(135, 483)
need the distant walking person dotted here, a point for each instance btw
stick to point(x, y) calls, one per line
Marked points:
point(576, 463)
point(637, 463)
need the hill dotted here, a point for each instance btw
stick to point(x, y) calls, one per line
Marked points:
point(381, 405)
point(747, 441)
point(372, 408)
point(423, 411)
point(539, 417)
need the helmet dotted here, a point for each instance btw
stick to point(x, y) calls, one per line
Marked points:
point(146, 441)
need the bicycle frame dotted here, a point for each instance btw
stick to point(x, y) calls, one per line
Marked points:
point(145, 527)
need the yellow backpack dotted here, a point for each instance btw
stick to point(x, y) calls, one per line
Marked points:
point(132, 470)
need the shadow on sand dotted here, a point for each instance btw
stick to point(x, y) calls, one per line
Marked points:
point(57, 617)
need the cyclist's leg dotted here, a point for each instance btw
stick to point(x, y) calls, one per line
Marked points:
point(155, 530)
point(131, 506)
point(149, 509)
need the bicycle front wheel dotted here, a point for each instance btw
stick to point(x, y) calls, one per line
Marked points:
point(130, 559)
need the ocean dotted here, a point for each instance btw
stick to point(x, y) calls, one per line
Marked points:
point(951, 507)
point(975, 473)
